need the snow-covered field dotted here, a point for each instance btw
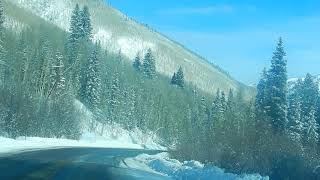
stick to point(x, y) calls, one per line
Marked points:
point(162, 164)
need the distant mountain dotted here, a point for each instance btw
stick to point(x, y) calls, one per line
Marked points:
point(119, 33)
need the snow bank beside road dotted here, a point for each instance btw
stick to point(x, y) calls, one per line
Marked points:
point(161, 163)
point(94, 134)
point(28, 143)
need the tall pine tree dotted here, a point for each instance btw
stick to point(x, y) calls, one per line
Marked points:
point(137, 63)
point(149, 65)
point(86, 30)
point(180, 78)
point(260, 101)
point(295, 124)
point(91, 82)
point(276, 89)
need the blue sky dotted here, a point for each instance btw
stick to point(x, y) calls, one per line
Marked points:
point(239, 36)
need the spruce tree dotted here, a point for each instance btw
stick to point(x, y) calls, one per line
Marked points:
point(1, 15)
point(75, 25)
point(295, 124)
point(260, 101)
point(114, 97)
point(86, 30)
point(311, 129)
point(180, 78)
point(137, 63)
point(91, 82)
point(174, 79)
point(57, 75)
point(309, 94)
point(318, 112)
point(149, 65)
point(2, 49)
point(276, 91)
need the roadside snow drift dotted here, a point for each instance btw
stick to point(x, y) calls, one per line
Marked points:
point(191, 170)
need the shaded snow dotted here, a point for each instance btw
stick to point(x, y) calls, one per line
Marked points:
point(161, 163)
point(112, 132)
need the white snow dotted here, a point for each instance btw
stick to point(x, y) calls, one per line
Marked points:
point(112, 132)
point(94, 134)
point(161, 163)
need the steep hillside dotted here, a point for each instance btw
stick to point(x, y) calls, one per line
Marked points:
point(117, 33)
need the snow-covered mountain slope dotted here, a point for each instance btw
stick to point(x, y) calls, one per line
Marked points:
point(293, 81)
point(118, 32)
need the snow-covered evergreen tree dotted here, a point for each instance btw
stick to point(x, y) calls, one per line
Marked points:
point(1, 15)
point(309, 92)
point(276, 91)
point(91, 82)
point(114, 97)
point(149, 65)
point(295, 124)
point(86, 30)
point(311, 136)
point(180, 77)
point(2, 49)
point(75, 25)
point(260, 101)
point(58, 80)
point(137, 63)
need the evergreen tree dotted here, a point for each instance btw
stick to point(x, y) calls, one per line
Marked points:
point(2, 49)
point(86, 30)
point(295, 125)
point(180, 78)
point(276, 91)
point(114, 97)
point(57, 75)
point(311, 129)
point(309, 93)
point(91, 82)
point(149, 65)
point(1, 15)
point(318, 112)
point(137, 63)
point(174, 79)
point(75, 25)
point(260, 101)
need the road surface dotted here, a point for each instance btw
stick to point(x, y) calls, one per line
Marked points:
point(74, 164)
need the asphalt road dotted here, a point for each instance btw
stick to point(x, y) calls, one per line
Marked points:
point(74, 164)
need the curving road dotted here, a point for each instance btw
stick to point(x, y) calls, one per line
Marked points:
point(74, 163)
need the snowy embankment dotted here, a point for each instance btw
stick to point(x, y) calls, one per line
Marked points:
point(162, 164)
point(94, 134)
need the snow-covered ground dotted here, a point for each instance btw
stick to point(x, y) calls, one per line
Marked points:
point(88, 140)
point(94, 134)
point(191, 170)
point(114, 136)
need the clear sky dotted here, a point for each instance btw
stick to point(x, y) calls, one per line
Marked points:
point(237, 35)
